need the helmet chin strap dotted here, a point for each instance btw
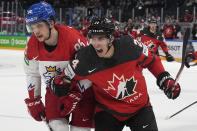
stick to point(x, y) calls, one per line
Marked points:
point(109, 44)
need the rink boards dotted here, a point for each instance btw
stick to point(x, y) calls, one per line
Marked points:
point(19, 43)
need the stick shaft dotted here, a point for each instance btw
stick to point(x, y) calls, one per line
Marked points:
point(183, 109)
point(43, 119)
point(185, 42)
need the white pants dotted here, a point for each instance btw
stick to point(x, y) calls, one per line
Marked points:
point(62, 125)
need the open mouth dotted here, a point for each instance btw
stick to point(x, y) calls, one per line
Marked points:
point(39, 36)
point(99, 50)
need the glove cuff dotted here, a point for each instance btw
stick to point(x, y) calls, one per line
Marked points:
point(161, 78)
point(33, 101)
point(73, 95)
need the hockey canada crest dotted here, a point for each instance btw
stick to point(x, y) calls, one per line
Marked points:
point(150, 44)
point(120, 87)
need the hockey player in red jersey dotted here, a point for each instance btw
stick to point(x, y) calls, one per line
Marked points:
point(169, 29)
point(46, 55)
point(189, 58)
point(153, 39)
point(114, 68)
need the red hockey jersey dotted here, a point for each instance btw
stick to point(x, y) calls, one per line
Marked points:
point(39, 63)
point(119, 85)
point(153, 41)
point(195, 55)
point(169, 31)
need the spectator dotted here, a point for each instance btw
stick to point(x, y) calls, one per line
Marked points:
point(168, 29)
point(187, 17)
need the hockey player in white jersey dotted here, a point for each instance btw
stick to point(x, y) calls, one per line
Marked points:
point(46, 55)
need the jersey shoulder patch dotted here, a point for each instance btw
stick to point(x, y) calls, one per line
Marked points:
point(85, 61)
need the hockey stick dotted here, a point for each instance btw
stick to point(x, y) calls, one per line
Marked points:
point(194, 64)
point(43, 119)
point(185, 41)
point(168, 117)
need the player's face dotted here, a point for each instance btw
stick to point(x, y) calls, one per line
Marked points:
point(41, 31)
point(153, 27)
point(100, 44)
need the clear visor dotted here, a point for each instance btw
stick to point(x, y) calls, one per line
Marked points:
point(29, 29)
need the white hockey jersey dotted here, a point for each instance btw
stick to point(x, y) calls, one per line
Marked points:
point(41, 64)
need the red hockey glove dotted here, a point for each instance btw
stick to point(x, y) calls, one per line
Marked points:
point(169, 57)
point(70, 102)
point(35, 108)
point(60, 85)
point(189, 58)
point(166, 83)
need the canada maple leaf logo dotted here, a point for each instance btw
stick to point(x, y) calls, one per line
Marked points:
point(150, 44)
point(120, 87)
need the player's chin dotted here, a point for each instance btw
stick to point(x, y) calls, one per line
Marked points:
point(40, 39)
point(99, 52)
point(100, 55)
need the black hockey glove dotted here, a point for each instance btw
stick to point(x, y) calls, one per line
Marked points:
point(169, 57)
point(166, 83)
point(60, 85)
point(189, 58)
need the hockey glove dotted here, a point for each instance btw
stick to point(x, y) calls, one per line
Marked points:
point(60, 85)
point(35, 108)
point(166, 83)
point(189, 58)
point(169, 57)
point(70, 102)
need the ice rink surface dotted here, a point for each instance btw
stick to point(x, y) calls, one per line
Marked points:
point(13, 91)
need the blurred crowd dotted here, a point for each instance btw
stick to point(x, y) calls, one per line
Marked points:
point(171, 25)
point(172, 16)
point(171, 28)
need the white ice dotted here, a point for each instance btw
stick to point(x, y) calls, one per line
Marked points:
point(14, 115)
